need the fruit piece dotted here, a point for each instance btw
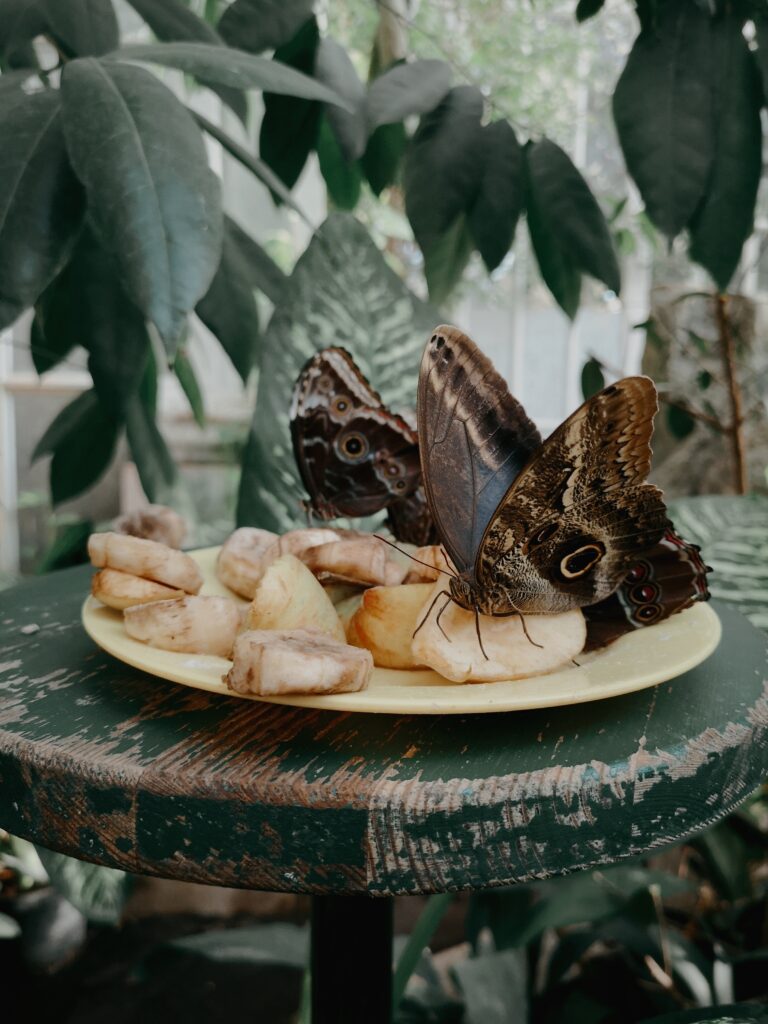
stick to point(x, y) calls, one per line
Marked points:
point(145, 558)
point(153, 522)
point(511, 655)
point(385, 622)
point(123, 590)
point(194, 625)
point(273, 662)
point(244, 557)
point(362, 559)
point(289, 597)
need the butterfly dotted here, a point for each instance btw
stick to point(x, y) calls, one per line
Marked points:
point(355, 457)
point(533, 526)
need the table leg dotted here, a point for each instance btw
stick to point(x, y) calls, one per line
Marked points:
point(351, 960)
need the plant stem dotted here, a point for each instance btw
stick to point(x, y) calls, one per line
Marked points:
point(696, 414)
point(736, 427)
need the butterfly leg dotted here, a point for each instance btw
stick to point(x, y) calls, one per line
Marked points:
point(437, 620)
point(477, 629)
point(527, 634)
point(429, 612)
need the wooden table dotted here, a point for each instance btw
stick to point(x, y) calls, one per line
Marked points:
point(107, 764)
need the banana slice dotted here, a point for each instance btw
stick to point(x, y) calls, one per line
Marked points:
point(194, 625)
point(454, 650)
point(123, 590)
point(385, 622)
point(154, 522)
point(273, 662)
point(145, 558)
point(427, 564)
point(289, 597)
point(244, 557)
point(362, 559)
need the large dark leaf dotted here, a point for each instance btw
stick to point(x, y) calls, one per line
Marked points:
point(381, 160)
point(662, 107)
point(572, 212)
point(443, 166)
point(341, 287)
point(20, 22)
point(41, 201)
point(155, 465)
point(98, 892)
point(290, 126)
point(87, 306)
point(257, 25)
point(560, 273)
point(82, 440)
point(406, 89)
point(187, 378)
point(154, 202)
point(343, 178)
point(724, 222)
point(264, 272)
point(333, 66)
point(446, 259)
point(172, 20)
point(83, 28)
point(494, 215)
point(236, 68)
point(229, 307)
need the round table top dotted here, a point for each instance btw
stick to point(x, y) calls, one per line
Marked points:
point(110, 765)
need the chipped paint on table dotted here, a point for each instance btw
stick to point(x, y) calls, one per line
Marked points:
point(108, 764)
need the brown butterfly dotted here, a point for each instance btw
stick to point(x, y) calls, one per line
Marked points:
point(531, 526)
point(355, 457)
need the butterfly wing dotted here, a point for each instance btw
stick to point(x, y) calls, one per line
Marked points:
point(668, 578)
point(354, 456)
point(576, 518)
point(474, 439)
point(410, 520)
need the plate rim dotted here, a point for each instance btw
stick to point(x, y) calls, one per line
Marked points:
point(358, 702)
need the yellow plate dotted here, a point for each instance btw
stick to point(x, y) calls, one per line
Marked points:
point(635, 661)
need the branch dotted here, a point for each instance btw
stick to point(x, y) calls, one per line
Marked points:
point(736, 430)
point(696, 414)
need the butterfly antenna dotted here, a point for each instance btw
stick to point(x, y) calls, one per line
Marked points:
point(437, 620)
point(477, 630)
point(452, 575)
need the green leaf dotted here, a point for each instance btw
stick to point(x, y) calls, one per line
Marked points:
point(662, 107)
point(381, 160)
point(446, 259)
point(229, 308)
point(290, 126)
point(559, 272)
point(592, 378)
point(83, 28)
point(87, 306)
point(69, 547)
point(443, 167)
point(152, 198)
point(20, 23)
point(494, 215)
point(733, 1013)
point(82, 440)
point(264, 272)
point(275, 943)
point(172, 21)
point(341, 283)
point(425, 927)
point(97, 892)
point(235, 68)
point(704, 379)
point(342, 178)
point(189, 385)
point(257, 25)
point(572, 213)
point(334, 67)
point(727, 858)
point(155, 465)
point(48, 352)
point(406, 89)
point(724, 222)
point(761, 54)
point(492, 985)
point(41, 201)
point(680, 422)
point(586, 9)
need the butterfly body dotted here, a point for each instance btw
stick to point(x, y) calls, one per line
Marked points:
point(531, 526)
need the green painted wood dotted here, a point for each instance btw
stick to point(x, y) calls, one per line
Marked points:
point(733, 534)
point(111, 765)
